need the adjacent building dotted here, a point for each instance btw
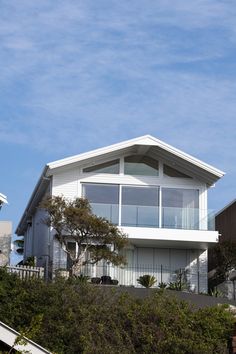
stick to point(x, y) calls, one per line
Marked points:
point(225, 223)
point(156, 193)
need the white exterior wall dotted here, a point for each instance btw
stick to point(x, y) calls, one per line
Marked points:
point(66, 183)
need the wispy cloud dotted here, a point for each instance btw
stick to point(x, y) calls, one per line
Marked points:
point(76, 75)
point(109, 70)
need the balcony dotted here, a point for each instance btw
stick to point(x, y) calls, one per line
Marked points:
point(155, 217)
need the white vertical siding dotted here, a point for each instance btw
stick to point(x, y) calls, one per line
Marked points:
point(164, 264)
point(66, 183)
point(178, 259)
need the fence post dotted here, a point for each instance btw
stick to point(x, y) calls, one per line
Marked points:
point(180, 278)
point(198, 282)
point(161, 273)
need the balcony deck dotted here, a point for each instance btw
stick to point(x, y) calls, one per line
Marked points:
point(170, 238)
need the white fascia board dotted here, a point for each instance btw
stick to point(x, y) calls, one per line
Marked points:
point(143, 140)
point(34, 195)
point(160, 234)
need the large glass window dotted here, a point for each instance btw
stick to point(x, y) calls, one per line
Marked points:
point(106, 167)
point(140, 206)
point(104, 200)
point(180, 208)
point(141, 165)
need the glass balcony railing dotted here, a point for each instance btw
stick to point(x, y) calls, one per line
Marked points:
point(180, 218)
point(108, 211)
point(139, 216)
point(155, 217)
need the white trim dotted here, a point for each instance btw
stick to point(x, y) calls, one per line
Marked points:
point(143, 140)
point(8, 336)
point(161, 234)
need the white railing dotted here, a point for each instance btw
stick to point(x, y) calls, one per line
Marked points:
point(27, 272)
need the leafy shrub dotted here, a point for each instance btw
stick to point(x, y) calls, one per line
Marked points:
point(147, 280)
point(216, 293)
point(83, 279)
point(162, 285)
point(181, 282)
point(71, 318)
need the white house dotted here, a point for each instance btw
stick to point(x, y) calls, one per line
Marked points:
point(156, 193)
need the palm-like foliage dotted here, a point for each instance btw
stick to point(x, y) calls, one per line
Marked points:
point(147, 280)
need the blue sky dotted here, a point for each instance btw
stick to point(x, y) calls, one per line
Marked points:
point(78, 75)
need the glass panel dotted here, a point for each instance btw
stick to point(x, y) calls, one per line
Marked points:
point(180, 208)
point(106, 167)
point(141, 165)
point(172, 172)
point(104, 200)
point(140, 206)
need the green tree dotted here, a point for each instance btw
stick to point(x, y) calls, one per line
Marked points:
point(94, 236)
point(224, 257)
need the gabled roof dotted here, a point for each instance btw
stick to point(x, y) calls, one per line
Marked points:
point(146, 144)
point(147, 140)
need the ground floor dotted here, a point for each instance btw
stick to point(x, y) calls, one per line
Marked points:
point(167, 265)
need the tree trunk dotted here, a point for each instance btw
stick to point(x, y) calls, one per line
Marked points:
point(77, 267)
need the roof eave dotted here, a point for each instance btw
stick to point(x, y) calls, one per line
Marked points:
point(20, 227)
point(143, 140)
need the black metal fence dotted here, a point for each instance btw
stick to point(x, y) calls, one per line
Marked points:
point(179, 279)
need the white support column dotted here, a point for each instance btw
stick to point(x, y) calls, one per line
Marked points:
point(202, 261)
point(160, 207)
point(120, 201)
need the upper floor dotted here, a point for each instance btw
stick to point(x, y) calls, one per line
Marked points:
point(140, 183)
